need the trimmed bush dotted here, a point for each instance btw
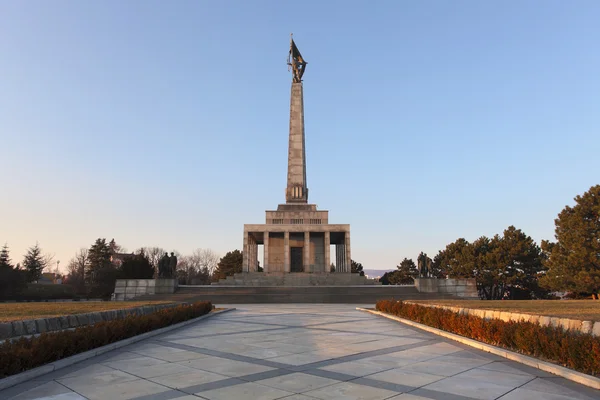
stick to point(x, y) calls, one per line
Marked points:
point(571, 349)
point(27, 353)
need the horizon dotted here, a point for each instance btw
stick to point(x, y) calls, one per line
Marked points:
point(167, 125)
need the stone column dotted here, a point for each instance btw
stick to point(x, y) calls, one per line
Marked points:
point(306, 253)
point(245, 253)
point(253, 252)
point(266, 252)
point(347, 253)
point(327, 243)
point(338, 262)
point(286, 251)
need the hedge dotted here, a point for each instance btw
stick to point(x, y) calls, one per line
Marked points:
point(571, 349)
point(26, 353)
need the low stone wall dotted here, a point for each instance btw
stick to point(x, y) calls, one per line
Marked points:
point(127, 289)
point(592, 327)
point(466, 288)
point(34, 326)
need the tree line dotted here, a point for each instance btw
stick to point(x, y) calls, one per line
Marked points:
point(513, 266)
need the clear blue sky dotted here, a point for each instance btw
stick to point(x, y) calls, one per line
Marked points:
point(165, 123)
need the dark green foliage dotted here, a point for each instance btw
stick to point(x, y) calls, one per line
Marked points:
point(404, 274)
point(356, 268)
point(27, 353)
point(573, 262)
point(574, 350)
point(34, 263)
point(229, 264)
point(506, 266)
point(42, 292)
point(12, 280)
point(137, 266)
point(5, 261)
point(101, 274)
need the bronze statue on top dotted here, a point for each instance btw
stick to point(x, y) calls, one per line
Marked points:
point(296, 62)
point(167, 266)
point(424, 266)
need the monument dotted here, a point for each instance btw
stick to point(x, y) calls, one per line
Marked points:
point(297, 237)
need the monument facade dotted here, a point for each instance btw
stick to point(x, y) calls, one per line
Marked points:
point(297, 237)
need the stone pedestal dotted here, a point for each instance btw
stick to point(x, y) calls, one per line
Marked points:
point(126, 289)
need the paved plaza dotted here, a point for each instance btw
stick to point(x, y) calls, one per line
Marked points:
point(298, 352)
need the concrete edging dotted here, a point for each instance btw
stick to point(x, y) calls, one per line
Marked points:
point(65, 362)
point(587, 327)
point(28, 327)
point(564, 372)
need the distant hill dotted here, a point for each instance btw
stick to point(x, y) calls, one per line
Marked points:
point(377, 272)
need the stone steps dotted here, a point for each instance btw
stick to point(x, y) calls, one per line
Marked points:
point(364, 294)
point(295, 279)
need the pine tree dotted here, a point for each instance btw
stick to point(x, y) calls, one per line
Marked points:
point(5, 257)
point(101, 274)
point(229, 264)
point(406, 273)
point(574, 260)
point(34, 263)
point(356, 268)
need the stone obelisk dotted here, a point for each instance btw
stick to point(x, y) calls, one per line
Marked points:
point(296, 190)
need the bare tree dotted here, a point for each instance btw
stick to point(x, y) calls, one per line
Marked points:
point(76, 270)
point(154, 254)
point(207, 259)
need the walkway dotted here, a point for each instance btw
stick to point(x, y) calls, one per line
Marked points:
point(298, 352)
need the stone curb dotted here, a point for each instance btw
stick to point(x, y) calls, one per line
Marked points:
point(566, 373)
point(588, 327)
point(65, 362)
point(14, 329)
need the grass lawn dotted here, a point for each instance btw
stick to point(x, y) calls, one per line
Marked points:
point(19, 311)
point(587, 310)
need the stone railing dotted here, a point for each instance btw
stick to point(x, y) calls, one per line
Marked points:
point(457, 287)
point(35, 326)
point(592, 327)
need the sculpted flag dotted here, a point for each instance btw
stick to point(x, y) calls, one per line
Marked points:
point(295, 53)
point(296, 62)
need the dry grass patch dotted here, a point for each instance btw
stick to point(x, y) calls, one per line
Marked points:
point(587, 310)
point(20, 311)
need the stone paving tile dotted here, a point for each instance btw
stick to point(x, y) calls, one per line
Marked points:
point(408, 378)
point(350, 391)
point(496, 377)
point(122, 391)
point(297, 382)
point(224, 366)
point(475, 389)
point(188, 378)
point(298, 352)
point(97, 380)
point(44, 390)
point(248, 390)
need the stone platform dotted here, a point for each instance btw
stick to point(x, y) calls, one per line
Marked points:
point(127, 289)
point(361, 294)
point(295, 279)
point(309, 352)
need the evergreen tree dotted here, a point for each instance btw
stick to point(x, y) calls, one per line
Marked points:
point(34, 263)
point(573, 262)
point(229, 264)
point(12, 281)
point(5, 261)
point(137, 266)
point(101, 274)
point(356, 268)
point(406, 272)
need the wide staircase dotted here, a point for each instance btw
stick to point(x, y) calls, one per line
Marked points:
point(295, 279)
point(364, 294)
